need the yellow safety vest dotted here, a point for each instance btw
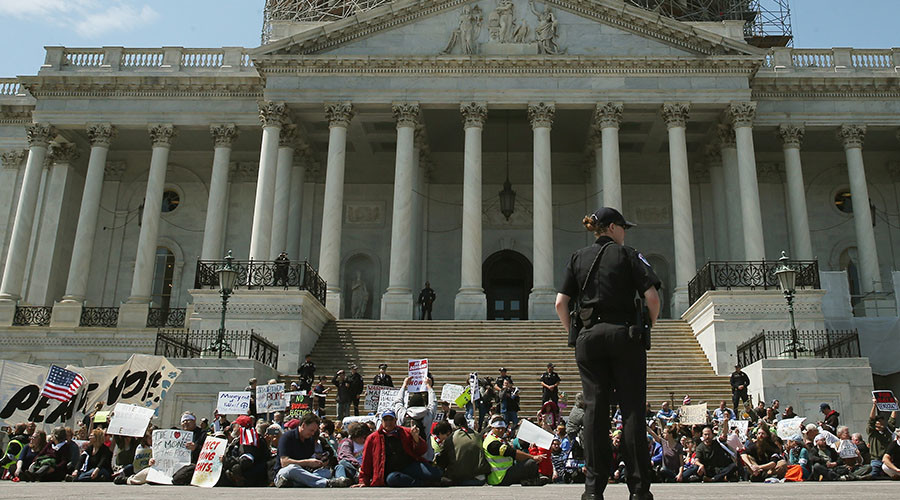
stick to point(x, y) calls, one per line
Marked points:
point(15, 458)
point(499, 464)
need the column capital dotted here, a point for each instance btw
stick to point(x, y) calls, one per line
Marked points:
point(541, 114)
point(852, 135)
point(101, 134)
point(741, 113)
point(608, 115)
point(162, 135)
point(113, 170)
point(272, 114)
point(62, 153)
point(339, 114)
point(224, 134)
point(676, 114)
point(39, 134)
point(406, 114)
point(791, 135)
point(288, 136)
point(725, 133)
point(474, 114)
point(13, 159)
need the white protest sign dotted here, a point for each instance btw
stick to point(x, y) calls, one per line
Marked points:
point(209, 465)
point(373, 396)
point(742, 427)
point(418, 374)
point(362, 418)
point(693, 414)
point(270, 398)
point(534, 435)
point(885, 401)
point(450, 392)
point(387, 400)
point(129, 420)
point(170, 453)
point(847, 449)
point(233, 403)
point(790, 426)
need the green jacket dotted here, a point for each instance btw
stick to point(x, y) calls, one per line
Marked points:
point(463, 456)
point(879, 441)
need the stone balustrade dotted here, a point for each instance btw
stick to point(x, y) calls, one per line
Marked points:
point(834, 60)
point(166, 59)
point(10, 87)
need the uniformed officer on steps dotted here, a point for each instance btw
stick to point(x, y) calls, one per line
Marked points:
point(608, 357)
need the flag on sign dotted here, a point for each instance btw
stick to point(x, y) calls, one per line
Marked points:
point(248, 436)
point(61, 384)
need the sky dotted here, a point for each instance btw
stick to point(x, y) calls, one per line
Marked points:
point(26, 26)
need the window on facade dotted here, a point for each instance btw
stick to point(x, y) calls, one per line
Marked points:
point(843, 201)
point(170, 201)
point(162, 278)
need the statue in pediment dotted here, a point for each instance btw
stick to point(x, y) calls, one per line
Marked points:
point(547, 30)
point(467, 33)
point(502, 25)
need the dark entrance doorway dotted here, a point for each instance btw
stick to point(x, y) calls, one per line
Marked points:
point(507, 282)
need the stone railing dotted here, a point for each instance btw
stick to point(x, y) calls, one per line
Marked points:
point(167, 59)
point(758, 275)
point(837, 59)
point(10, 87)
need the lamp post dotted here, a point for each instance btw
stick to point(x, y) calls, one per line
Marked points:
point(227, 276)
point(787, 280)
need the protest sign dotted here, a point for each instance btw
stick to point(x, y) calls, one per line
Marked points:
point(170, 453)
point(129, 420)
point(387, 400)
point(209, 465)
point(418, 374)
point(362, 418)
point(373, 395)
point(790, 426)
point(464, 398)
point(233, 403)
point(742, 427)
point(847, 449)
point(270, 398)
point(450, 392)
point(734, 442)
point(534, 434)
point(143, 380)
point(693, 414)
point(20, 399)
point(885, 401)
point(298, 405)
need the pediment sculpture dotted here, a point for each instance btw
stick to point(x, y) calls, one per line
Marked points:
point(507, 33)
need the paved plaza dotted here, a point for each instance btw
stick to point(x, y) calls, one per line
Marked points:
point(818, 491)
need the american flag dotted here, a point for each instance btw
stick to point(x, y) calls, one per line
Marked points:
point(61, 384)
point(248, 436)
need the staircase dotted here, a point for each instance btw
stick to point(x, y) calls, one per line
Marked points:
point(676, 364)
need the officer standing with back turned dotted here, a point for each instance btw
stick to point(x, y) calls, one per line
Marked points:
point(607, 277)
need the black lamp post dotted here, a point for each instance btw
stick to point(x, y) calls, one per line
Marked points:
point(227, 276)
point(787, 280)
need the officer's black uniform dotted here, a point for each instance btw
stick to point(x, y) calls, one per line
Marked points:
point(608, 359)
point(739, 378)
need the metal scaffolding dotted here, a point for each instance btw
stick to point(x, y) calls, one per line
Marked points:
point(312, 11)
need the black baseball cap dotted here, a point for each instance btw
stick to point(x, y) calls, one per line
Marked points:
point(608, 215)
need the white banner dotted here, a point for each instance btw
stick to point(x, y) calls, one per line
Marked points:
point(270, 398)
point(387, 400)
point(129, 420)
point(788, 427)
point(209, 465)
point(418, 373)
point(233, 403)
point(21, 400)
point(534, 434)
point(170, 453)
point(693, 414)
point(373, 396)
point(450, 392)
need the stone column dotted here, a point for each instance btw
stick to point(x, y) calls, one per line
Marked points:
point(608, 117)
point(728, 149)
point(471, 302)
point(595, 144)
point(216, 208)
point(801, 243)
point(271, 116)
point(339, 116)
point(676, 116)
point(133, 313)
point(282, 207)
point(12, 161)
point(397, 301)
point(39, 135)
point(742, 115)
point(720, 201)
point(295, 211)
point(541, 301)
point(869, 271)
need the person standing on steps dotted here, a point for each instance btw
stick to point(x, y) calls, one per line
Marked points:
point(383, 379)
point(426, 300)
point(307, 372)
point(605, 279)
point(357, 387)
point(739, 384)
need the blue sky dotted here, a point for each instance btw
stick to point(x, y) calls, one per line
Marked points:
point(26, 26)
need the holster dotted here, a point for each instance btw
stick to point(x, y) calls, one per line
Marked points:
point(640, 330)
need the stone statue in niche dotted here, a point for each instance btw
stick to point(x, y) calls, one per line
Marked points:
point(359, 297)
point(547, 30)
point(502, 24)
point(467, 33)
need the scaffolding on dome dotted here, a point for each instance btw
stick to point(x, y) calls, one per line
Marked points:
point(312, 11)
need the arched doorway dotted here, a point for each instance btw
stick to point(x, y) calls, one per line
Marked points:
point(507, 282)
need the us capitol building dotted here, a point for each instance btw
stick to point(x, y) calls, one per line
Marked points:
point(385, 144)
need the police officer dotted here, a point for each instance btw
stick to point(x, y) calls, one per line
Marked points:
point(607, 356)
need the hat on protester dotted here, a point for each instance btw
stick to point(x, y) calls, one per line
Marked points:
point(244, 421)
point(819, 437)
point(608, 215)
point(292, 423)
point(388, 413)
point(274, 430)
point(797, 438)
point(186, 416)
point(686, 401)
point(823, 406)
point(498, 424)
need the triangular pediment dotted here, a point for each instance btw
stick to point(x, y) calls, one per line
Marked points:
point(507, 28)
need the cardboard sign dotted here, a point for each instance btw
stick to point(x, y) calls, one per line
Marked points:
point(298, 406)
point(693, 414)
point(373, 396)
point(847, 449)
point(170, 453)
point(233, 403)
point(790, 426)
point(418, 374)
point(362, 419)
point(270, 398)
point(534, 434)
point(885, 401)
point(129, 420)
point(742, 426)
point(464, 398)
point(101, 417)
point(209, 465)
point(387, 400)
point(450, 392)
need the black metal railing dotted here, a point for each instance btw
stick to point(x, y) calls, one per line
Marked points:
point(103, 317)
point(32, 316)
point(172, 317)
point(721, 275)
point(258, 274)
point(810, 344)
point(204, 343)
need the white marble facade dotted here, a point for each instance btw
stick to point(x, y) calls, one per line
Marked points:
point(658, 117)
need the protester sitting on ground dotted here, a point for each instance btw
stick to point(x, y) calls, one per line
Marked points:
point(689, 468)
point(797, 454)
point(564, 443)
point(246, 458)
point(575, 422)
point(350, 451)
point(665, 414)
point(393, 456)
point(37, 447)
point(549, 413)
point(96, 460)
point(143, 454)
point(558, 460)
point(462, 457)
point(879, 433)
point(297, 465)
point(825, 460)
point(670, 453)
point(62, 452)
point(713, 463)
point(763, 456)
point(722, 412)
point(420, 408)
point(124, 453)
point(51, 462)
point(440, 433)
point(830, 423)
point(18, 441)
point(508, 465)
point(545, 467)
point(788, 413)
point(891, 458)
